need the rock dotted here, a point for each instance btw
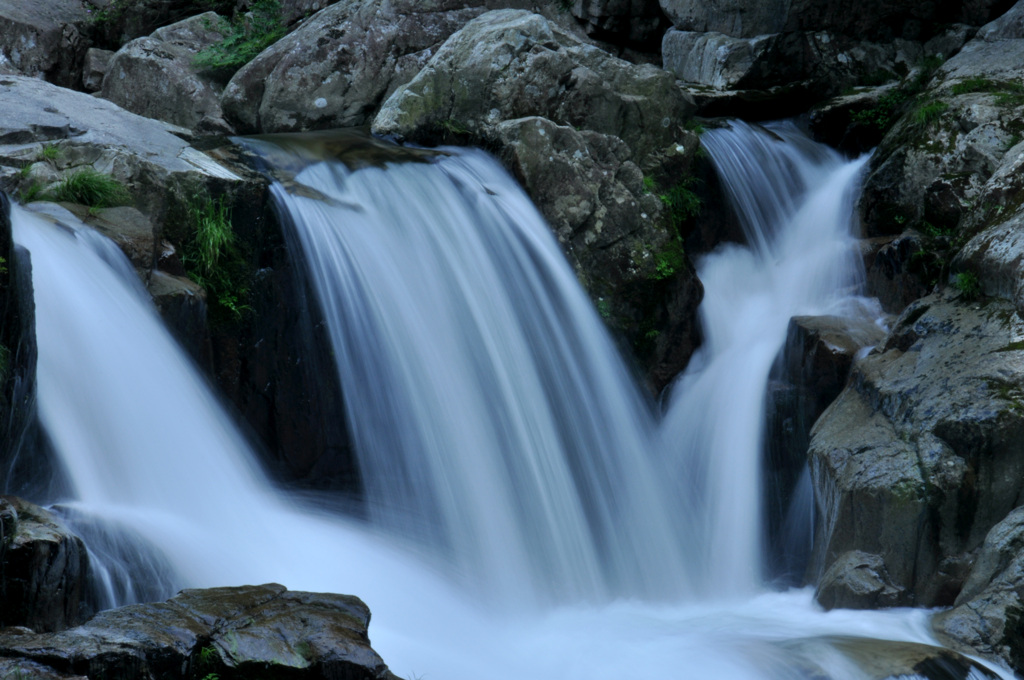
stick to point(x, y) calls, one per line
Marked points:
point(229, 632)
point(97, 62)
point(919, 456)
point(42, 39)
point(875, 20)
point(182, 305)
point(724, 62)
point(115, 22)
point(155, 76)
point(1010, 26)
point(633, 22)
point(835, 121)
point(42, 570)
point(511, 64)
point(336, 68)
point(94, 132)
point(857, 580)
point(899, 270)
point(995, 257)
point(987, 617)
point(948, 143)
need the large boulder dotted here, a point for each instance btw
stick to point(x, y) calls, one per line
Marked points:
point(511, 64)
point(155, 76)
point(336, 68)
point(920, 455)
point(251, 631)
point(42, 569)
point(42, 39)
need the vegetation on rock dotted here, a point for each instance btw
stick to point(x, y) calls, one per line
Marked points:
point(244, 37)
point(213, 259)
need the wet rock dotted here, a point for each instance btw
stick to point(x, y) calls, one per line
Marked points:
point(919, 457)
point(42, 569)
point(336, 68)
point(156, 77)
point(231, 632)
point(42, 39)
point(857, 580)
point(987, 617)
point(994, 257)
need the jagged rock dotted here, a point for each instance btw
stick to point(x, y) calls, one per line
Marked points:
point(987, 617)
point(116, 23)
point(935, 161)
point(155, 76)
point(230, 632)
point(42, 39)
point(857, 580)
point(994, 257)
point(336, 68)
point(919, 456)
point(96, 63)
point(511, 64)
point(42, 569)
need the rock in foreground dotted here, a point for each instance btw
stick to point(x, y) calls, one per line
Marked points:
point(250, 631)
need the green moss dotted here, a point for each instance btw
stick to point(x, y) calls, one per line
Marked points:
point(682, 203)
point(50, 152)
point(1013, 347)
point(669, 261)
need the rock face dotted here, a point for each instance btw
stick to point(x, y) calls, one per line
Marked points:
point(252, 631)
point(336, 68)
point(919, 456)
point(155, 77)
point(42, 39)
point(876, 19)
point(986, 619)
point(634, 22)
point(42, 569)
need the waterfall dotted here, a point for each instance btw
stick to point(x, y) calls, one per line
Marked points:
point(529, 516)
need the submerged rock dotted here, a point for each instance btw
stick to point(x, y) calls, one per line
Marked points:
point(919, 456)
point(250, 631)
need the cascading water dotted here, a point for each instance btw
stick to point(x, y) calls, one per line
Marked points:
point(594, 542)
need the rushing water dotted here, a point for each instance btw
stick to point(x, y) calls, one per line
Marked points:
point(529, 515)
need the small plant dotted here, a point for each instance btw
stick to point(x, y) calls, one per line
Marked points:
point(930, 112)
point(244, 38)
point(33, 192)
point(91, 188)
point(682, 203)
point(212, 260)
point(454, 128)
point(50, 152)
point(968, 285)
point(650, 186)
point(669, 261)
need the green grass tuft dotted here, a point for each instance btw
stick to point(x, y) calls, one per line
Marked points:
point(927, 114)
point(89, 187)
point(244, 38)
point(212, 259)
point(968, 285)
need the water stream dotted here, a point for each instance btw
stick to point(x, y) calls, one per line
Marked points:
point(529, 514)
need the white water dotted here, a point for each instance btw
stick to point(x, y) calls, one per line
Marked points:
point(642, 590)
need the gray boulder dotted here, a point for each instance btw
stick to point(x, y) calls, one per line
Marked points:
point(857, 580)
point(42, 569)
point(919, 456)
point(42, 39)
point(511, 64)
point(94, 68)
point(986, 619)
point(229, 632)
point(336, 68)
point(155, 77)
